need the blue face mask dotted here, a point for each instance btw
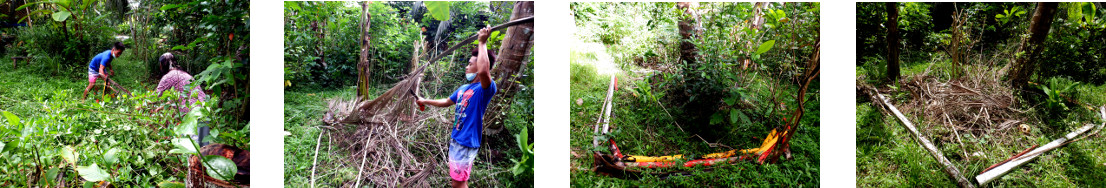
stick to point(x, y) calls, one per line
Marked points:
point(470, 76)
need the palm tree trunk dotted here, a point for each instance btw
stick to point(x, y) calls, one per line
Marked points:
point(509, 64)
point(687, 29)
point(364, 67)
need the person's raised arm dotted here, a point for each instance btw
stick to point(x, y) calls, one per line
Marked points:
point(482, 61)
point(435, 102)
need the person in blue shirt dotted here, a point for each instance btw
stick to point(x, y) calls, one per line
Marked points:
point(100, 63)
point(471, 100)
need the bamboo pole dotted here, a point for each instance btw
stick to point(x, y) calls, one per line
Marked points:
point(948, 167)
point(987, 177)
point(1000, 170)
point(610, 104)
point(316, 160)
point(604, 112)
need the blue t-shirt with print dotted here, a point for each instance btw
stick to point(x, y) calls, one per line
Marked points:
point(102, 59)
point(471, 100)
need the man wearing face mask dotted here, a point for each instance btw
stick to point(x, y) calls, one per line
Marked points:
point(471, 100)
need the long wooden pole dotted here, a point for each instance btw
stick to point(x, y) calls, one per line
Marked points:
point(949, 168)
point(473, 37)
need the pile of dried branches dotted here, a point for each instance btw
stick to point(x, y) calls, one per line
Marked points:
point(978, 101)
point(386, 140)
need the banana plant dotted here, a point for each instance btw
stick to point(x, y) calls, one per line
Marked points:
point(63, 10)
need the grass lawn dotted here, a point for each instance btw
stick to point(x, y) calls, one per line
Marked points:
point(24, 84)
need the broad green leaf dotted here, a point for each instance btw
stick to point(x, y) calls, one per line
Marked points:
point(292, 5)
point(61, 16)
point(4, 146)
point(764, 47)
point(70, 155)
point(220, 167)
point(169, 6)
point(734, 116)
point(93, 173)
point(12, 119)
point(1075, 12)
point(53, 172)
point(1089, 11)
point(188, 126)
point(112, 155)
point(183, 145)
point(438, 9)
point(11, 146)
point(169, 184)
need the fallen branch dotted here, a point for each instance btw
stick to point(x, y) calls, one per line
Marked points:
point(948, 167)
point(366, 156)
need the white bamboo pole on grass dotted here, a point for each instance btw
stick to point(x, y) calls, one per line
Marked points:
point(605, 113)
point(949, 168)
point(1001, 170)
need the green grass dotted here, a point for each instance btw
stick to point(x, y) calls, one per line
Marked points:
point(643, 128)
point(25, 83)
point(888, 155)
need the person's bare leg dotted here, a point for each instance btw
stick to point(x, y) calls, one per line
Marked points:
point(460, 184)
point(85, 95)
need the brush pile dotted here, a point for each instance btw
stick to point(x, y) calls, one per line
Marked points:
point(387, 141)
point(978, 101)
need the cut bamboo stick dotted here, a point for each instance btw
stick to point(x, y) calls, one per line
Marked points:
point(1001, 170)
point(948, 167)
point(315, 161)
point(605, 113)
point(610, 104)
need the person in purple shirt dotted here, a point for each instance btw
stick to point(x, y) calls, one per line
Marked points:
point(100, 63)
point(178, 80)
point(471, 100)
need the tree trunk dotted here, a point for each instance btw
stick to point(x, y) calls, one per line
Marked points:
point(687, 30)
point(364, 67)
point(1024, 63)
point(320, 34)
point(509, 63)
point(892, 41)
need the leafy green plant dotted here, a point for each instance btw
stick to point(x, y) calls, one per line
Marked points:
point(524, 165)
point(1056, 91)
point(1009, 14)
point(1081, 12)
point(216, 166)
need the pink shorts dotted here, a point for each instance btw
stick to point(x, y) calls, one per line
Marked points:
point(92, 75)
point(461, 159)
